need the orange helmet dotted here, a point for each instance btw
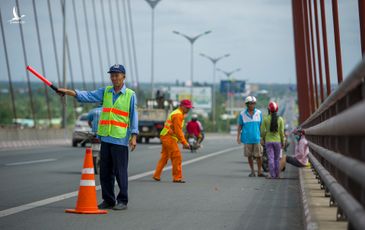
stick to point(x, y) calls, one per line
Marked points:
point(273, 107)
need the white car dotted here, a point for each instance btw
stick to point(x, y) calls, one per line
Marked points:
point(81, 128)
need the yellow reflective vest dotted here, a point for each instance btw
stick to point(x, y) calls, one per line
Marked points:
point(114, 118)
point(168, 123)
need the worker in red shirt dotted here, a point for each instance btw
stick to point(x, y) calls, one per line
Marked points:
point(194, 128)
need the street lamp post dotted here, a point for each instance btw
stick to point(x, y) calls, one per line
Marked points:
point(214, 61)
point(152, 4)
point(192, 40)
point(228, 75)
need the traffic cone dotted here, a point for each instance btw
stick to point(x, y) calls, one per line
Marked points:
point(86, 200)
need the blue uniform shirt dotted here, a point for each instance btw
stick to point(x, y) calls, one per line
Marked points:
point(250, 133)
point(97, 96)
point(93, 117)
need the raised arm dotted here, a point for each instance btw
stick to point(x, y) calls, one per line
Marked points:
point(85, 96)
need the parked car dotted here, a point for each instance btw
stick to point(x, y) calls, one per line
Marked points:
point(80, 130)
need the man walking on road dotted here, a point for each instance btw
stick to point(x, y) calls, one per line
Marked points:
point(118, 128)
point(170, 135)
point(248, 133)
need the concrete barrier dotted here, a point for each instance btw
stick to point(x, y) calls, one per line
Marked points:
point(16, 138)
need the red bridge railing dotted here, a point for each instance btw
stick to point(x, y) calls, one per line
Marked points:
point(336, 135)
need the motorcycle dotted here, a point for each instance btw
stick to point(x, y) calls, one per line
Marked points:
point(92, 141)
point(193, 142)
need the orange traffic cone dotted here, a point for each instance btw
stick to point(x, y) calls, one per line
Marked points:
point(86, 200)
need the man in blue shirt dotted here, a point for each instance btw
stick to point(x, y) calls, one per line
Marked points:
point(93, 118)
point(117, 129)
point(248, 133)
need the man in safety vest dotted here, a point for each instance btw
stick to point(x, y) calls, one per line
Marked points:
point(118, 128)
point(170, 135)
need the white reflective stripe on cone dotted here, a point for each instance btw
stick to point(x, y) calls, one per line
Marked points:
point(87, 183)
point(88, 171)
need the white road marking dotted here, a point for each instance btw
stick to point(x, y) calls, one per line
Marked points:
point(14, 210)
point(30, 162)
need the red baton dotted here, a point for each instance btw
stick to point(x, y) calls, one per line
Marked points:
point(45, 80)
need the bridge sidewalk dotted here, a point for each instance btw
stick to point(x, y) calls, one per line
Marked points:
point(317, 212)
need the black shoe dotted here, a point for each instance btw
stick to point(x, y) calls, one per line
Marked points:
point(252, 174)
point(120, 206)
point(105, 205)
point(179, 181)
point(261, 175)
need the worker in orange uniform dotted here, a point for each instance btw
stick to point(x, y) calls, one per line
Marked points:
point(170, 136)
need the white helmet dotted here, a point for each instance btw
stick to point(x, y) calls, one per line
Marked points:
point(194, 116)
point(251, 99)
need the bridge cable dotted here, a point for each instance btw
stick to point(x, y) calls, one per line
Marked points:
point(101, 67)
point(54, 41)
point(79, 45)
point(105, 33)
point(121, 33)
point(42, 62)
point(133, 42)
point(127, 34)
point(31, 104)
point(8, 69)
point(89, 45)
point(71, 74)
point(113, 32)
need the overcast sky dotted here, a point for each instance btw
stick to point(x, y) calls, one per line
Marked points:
point(257, 33)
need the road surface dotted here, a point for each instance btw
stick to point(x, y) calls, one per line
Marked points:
point(218, 193)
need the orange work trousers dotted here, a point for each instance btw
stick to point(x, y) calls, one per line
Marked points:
point(170, 150)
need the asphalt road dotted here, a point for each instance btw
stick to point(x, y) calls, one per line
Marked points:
point(218, 193)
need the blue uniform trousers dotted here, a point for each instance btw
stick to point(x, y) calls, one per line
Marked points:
point(114, 165)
